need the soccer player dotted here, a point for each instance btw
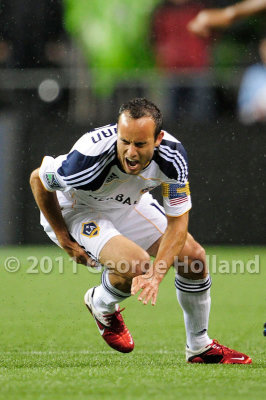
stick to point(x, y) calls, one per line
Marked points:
point(95, 204)
point(208, 20)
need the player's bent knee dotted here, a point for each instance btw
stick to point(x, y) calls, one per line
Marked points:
point(199, 253)
point(198, 267)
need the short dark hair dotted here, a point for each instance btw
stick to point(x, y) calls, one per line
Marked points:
point(141, 107)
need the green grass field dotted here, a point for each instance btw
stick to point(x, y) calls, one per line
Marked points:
point(51, 349)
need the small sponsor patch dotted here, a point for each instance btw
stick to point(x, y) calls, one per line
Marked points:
point(90, 229)
point(51, 180)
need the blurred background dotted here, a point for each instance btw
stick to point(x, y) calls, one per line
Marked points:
point(67, 65)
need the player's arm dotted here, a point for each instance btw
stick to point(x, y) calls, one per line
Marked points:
point(247, 8)
point(48, 204)
point(209, 19)
point(171, 245)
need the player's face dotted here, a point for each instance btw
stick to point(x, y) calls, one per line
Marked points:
point(135, 142)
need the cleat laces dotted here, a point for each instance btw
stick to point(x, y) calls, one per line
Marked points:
point(115, 321)
point(219, 346)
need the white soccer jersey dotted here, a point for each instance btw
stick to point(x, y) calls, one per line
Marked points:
point(90, 175)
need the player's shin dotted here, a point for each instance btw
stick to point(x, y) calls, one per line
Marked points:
point(194, 298)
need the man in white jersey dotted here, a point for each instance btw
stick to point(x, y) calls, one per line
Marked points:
point(95, 204)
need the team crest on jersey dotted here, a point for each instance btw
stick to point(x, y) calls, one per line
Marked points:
point(90, 229)
point(111, 177)
point(52, 181)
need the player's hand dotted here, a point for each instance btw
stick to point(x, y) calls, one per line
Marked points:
point(199, 25)
point(149, 285)
point(77, 253)
point(209, 19)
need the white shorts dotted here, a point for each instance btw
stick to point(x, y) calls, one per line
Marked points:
point(143, 224)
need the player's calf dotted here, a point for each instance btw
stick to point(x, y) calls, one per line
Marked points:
point(192, 265)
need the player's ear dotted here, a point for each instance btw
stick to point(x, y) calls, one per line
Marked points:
point(159, 139)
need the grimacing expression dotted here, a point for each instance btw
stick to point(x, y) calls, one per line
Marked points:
point(136, 142)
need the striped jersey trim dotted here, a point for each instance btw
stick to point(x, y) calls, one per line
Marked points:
point(176, 158)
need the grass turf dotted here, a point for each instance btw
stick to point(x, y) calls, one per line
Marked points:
point(51, 349)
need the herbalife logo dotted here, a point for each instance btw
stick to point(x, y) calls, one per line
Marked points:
point(111, 177)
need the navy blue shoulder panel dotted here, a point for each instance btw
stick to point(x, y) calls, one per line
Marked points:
point(87, 172)
point(77, 162)
point(98, 180)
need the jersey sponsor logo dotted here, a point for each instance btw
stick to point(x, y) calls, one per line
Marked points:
point(111, 177)
point(119, 197)
point(125, 200)
point(51, 180)
point(147, 189)
point(90, 229)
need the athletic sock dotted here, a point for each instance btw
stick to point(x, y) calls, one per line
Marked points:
point(106, 296)
point(194, 298)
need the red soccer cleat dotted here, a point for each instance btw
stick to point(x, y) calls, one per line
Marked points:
point(216, 353)
point(111, 326)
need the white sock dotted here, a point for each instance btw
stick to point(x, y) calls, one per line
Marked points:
point(107, 296)
point(194, 298)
